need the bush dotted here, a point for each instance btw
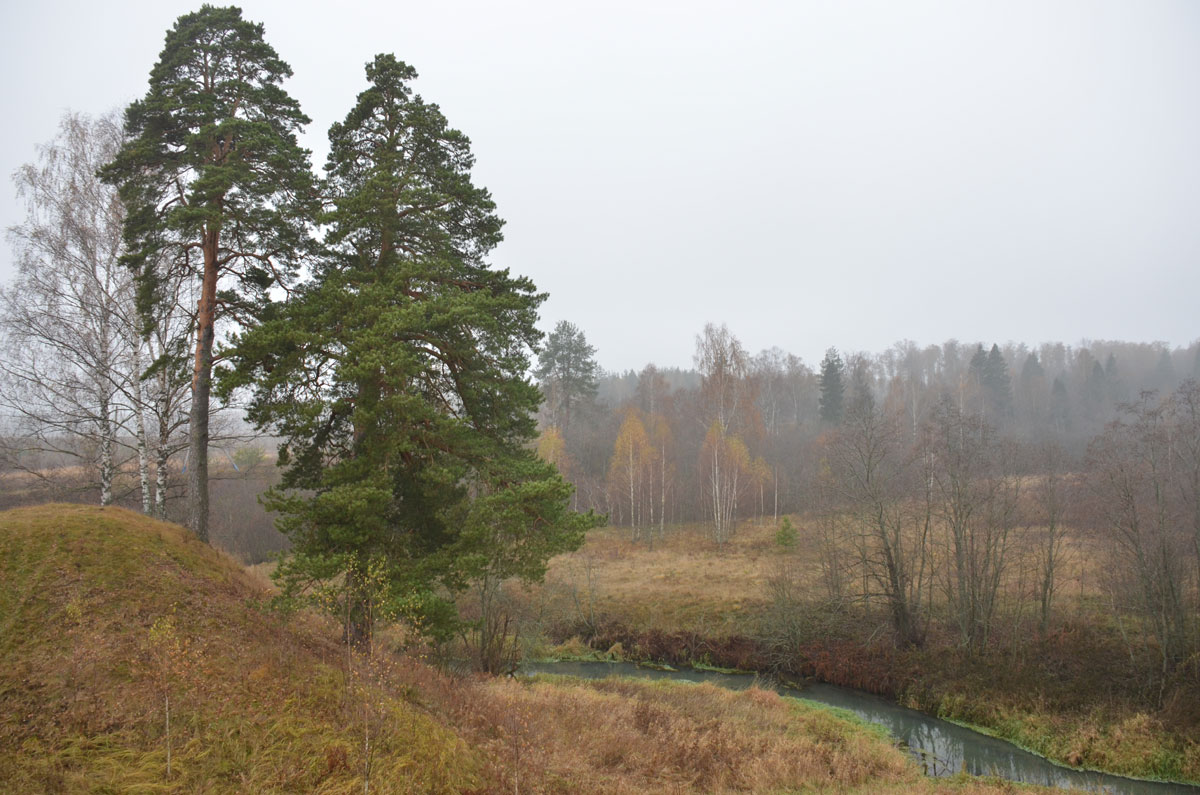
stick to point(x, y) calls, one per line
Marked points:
point(786, 536)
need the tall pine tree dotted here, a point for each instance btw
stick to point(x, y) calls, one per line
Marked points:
point(215, 186)
point(567, 372)
point(397, 379)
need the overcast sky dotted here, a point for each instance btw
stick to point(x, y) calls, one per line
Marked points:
point(813, 174)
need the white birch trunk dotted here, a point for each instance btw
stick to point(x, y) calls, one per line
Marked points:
point(140, 420)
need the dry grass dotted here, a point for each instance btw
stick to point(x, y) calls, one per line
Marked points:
point(1075, 695)
point(256, 705)
point(688, 583)
point(563, 735)
point(684, 583)
point(263, 705)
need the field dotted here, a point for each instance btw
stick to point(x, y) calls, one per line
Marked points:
point(135, 659)
point(1076, 694)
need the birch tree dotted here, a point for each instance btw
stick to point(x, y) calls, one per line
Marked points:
point(726, 467)
point(66, 360)
point(730, 412)
point(630, 466)
point(76, 358)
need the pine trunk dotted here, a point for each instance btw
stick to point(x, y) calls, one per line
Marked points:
point(201, 389)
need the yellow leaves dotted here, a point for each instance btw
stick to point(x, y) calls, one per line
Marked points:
point(631, 452)
point(728, 448)
point(552, 448)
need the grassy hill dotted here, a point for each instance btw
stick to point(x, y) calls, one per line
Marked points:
point(106, 615)
point(107, 619)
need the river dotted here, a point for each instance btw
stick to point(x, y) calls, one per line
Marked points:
point(941, 748)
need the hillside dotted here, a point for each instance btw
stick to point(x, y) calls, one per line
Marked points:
point(105, 615)
point(107, 618)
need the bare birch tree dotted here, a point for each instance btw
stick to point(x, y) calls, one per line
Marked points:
point(74, 351)
point(66, 353)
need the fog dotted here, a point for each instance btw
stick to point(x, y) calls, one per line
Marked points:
point(811, 174)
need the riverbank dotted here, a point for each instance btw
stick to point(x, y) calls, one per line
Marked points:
point(938, 746)
point(1073, 695)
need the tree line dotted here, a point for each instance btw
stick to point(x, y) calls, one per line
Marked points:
point(772, 408)
point(932, 480)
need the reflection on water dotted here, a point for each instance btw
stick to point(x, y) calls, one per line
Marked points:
point(940, 748)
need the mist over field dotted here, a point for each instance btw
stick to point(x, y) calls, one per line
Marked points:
point(385, 392)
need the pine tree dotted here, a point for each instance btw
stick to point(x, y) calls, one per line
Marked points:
point(567, 372)
point(397, 379)
point(216, 186)
point(832, 381)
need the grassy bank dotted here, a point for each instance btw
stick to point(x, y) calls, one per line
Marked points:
point(110, 621)
point(1074, 694)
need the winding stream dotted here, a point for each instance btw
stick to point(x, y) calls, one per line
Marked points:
point(940, 747)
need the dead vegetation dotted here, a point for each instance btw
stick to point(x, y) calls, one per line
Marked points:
point(106, 617)
point(1075, 692)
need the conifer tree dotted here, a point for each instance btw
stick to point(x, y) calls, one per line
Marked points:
point(397, 379)
point(215, 186)
point(567, 372)
point(833, 387)
point(1032, 369)
point(997, 382)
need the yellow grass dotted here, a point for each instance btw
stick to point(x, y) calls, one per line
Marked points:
point(106, 615)
point(686, 582)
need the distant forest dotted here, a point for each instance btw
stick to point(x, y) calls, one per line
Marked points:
point(1055, 393)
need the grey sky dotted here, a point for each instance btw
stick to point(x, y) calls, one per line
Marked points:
point(811, 173)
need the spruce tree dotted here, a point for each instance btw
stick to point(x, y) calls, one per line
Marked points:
point(1032, 370)
point(215, 186)
point(833, 387)
point(997, 382)
point(397, 380)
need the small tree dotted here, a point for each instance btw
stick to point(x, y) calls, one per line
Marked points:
point(1050, 502)
point(786, 536)
point(171, 660)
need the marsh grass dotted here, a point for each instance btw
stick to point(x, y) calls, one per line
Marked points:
point(1078, 693)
